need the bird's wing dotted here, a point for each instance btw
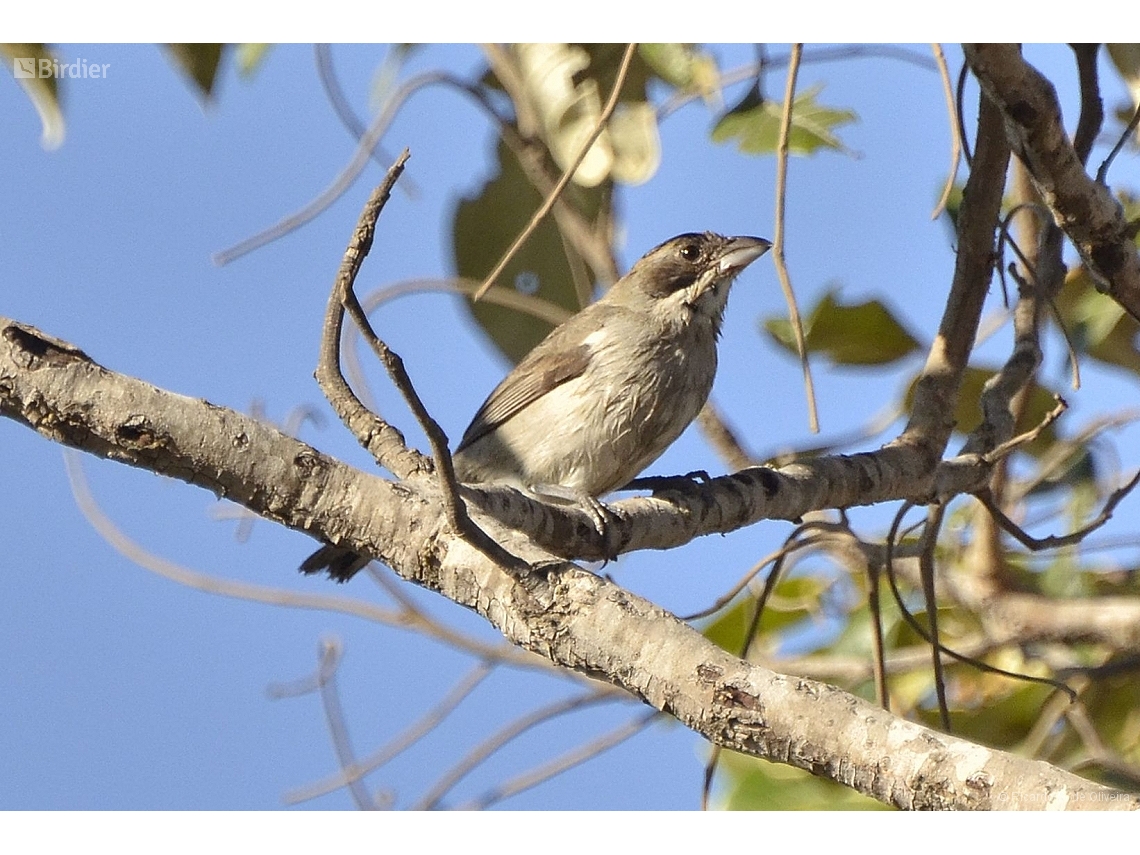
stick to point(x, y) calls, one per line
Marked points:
point(543, 369)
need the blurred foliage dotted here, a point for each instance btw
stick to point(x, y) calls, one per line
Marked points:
point(485, 225)
point(199, 62)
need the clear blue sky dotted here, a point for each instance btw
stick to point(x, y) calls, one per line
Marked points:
point(119, 689)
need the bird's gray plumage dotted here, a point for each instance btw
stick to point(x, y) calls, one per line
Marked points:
point(605, 393)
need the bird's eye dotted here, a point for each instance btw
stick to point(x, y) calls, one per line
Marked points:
point(690, 252)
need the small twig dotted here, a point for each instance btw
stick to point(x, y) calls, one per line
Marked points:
point(749, 71)
point(960, 113)
point(411, 735)
point(384, 442)
point(322, 54)
point(1102, 173)
point(1092, 109)
point(329, 655)
point(553, 196)
point(1100, 755)
point(567, 761)
point(955, 131)
point(934, 516)
point(912, 621)
point(878, 647)
point(119, 541)
point(404, 620)
point(856, 437)
point(1016, 442)
point(778, 237)
point(791, 544)
point(496, 741)
point(1062, 452)
point(528, 304)
point(344, 180)
point(1040, 288)
point(710, 771)
point(1037, 544)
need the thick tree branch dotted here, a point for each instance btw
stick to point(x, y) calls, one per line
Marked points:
point(1084, 209)
point(572, 617)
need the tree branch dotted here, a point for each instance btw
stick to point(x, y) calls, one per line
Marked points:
point(571, 617)
point(1084, 209)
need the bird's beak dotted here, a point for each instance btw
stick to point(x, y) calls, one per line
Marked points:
point(740, 252)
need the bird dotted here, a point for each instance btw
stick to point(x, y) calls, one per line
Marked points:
point(607, 391)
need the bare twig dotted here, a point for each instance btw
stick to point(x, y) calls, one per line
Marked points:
point(749, 71)
point(912, 621)
point(384, 442)
point(792, 543)
point(722, 438)
point(567, 761)
point(1102, 172)
point(959, 112)
point(955, 135)
point(417, 622)
point(934, 516)
point(778, 237)
point(496, 741)
point(528, 304)
point(322, 54)
point(344, 180)
point(329, 655)
point(1016, 442)
point(548, 203)
point(1092, 108)
point(411, 735)
point(1054, 541)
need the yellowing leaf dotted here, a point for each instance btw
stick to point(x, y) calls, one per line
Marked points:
point(682, 66)
point(249, 57)
point(569, 106)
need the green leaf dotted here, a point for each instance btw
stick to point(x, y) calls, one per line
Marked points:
point(864, 333)
point(794, 599)
point(754, 784)
point(486, 224)
point(755, 124)
point(1097, 325)
point(200, 62)
point(24, 60)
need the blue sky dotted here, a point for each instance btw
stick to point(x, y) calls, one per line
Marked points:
point(120, 689)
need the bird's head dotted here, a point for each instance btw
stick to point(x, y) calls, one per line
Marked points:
point(688, 276)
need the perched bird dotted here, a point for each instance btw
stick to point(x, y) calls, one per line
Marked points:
point(606, 392)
